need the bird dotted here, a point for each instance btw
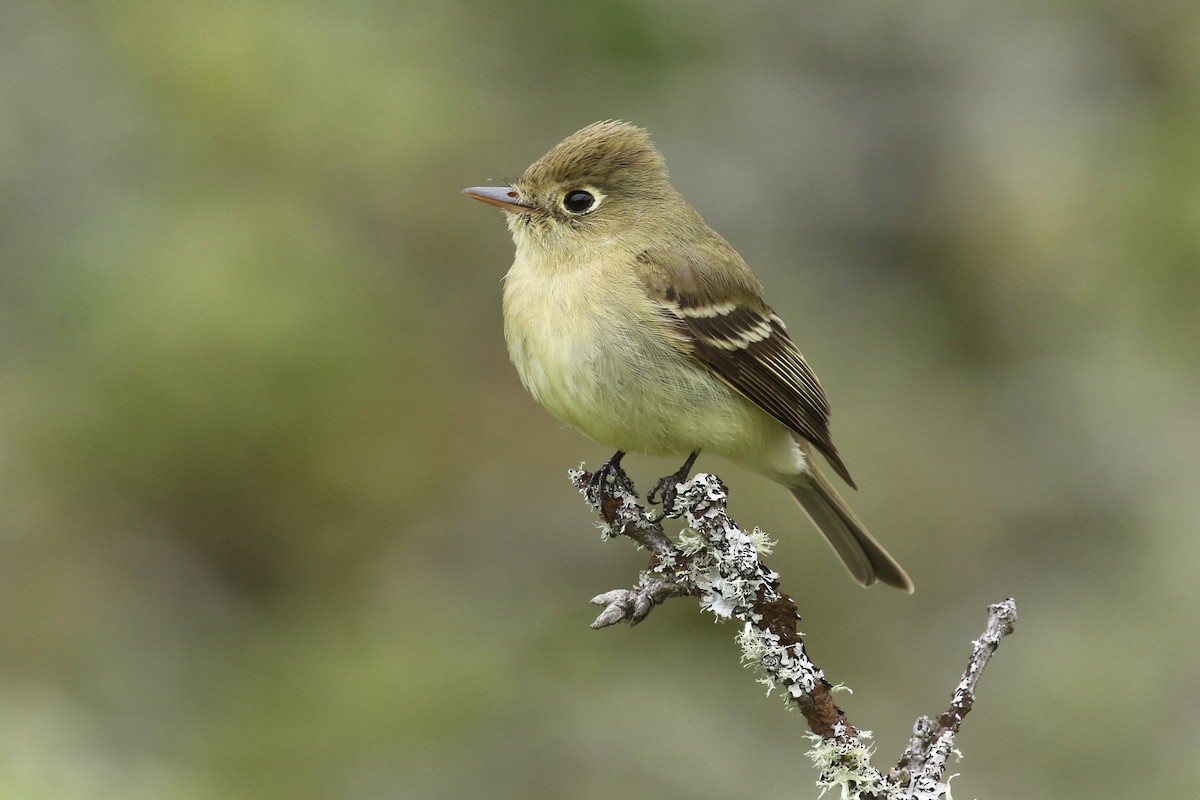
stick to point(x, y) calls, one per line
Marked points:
point(634, 322)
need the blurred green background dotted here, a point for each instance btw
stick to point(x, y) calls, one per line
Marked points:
point(278, 520)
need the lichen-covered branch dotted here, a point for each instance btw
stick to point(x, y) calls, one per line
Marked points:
point(720, 563)
point(924, 761)
point(622, 514)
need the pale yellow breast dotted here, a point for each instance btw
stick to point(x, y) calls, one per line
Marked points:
point(592, 348)
point(556, 338)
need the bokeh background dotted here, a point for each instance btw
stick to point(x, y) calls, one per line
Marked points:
point(278, 521)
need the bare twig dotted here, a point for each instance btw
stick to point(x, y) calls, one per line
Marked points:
point(720, 563)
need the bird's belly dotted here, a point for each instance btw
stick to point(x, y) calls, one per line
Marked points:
point(620, 381)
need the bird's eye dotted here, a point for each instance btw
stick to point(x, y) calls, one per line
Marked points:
point(577, 201)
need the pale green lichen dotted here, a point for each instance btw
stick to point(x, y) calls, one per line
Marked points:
point(784, 667)
point(755, 644)
point(726, 568)
point(763, 543)
point(691, 542)
point(845, 767)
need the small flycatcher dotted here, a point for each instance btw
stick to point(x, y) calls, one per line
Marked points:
point(631, 320)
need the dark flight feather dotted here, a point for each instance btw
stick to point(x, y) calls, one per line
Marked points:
point(721, 321)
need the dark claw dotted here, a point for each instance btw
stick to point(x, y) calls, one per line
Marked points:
point(610, 474)
point(665, 490)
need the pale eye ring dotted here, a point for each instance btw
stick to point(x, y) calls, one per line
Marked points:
point(579, 201)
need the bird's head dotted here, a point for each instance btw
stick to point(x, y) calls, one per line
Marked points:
point(603, 184)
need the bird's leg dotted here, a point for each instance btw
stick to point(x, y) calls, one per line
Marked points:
point(610, 474)
point(665, 490)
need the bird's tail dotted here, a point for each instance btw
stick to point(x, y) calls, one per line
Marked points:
point(863, 556)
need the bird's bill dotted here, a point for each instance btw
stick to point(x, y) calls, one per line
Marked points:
point(505, 197)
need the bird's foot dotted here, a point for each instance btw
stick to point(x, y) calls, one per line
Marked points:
point(667, 488)
point(608, 478)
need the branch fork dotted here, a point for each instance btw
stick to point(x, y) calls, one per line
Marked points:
point(721, 564)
